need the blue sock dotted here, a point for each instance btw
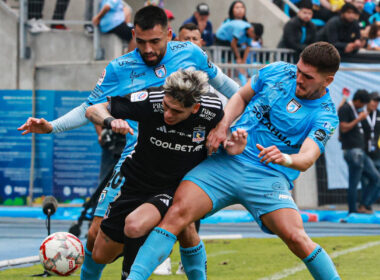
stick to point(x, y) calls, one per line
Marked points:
point(90, 269)
point(320, 265)
point(155, 250)
point(194, 262)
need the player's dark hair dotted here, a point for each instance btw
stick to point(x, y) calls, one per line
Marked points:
point(187, 86)
point(362, 95)
point(190, 26)
point(323, 56)
point(150, 16)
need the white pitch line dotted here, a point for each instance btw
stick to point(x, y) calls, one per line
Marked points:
point(221, 236)
point(19, 261)
point(290, 271)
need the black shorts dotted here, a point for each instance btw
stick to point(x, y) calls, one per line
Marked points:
point(124, 204)
point(123, 31)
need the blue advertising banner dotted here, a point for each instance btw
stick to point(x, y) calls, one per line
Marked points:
point(66, 164)
point(76, 153)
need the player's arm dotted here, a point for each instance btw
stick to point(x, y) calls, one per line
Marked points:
point(233, 109)
point(71, 120)
point(99, 114)
point(301, 161)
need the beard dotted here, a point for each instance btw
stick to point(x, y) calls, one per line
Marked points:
point(152, 62)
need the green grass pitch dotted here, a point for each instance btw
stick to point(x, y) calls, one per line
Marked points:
point(357, 257)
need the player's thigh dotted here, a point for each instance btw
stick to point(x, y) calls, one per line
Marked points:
point(142, 220)
point(93, 232)
point(105, 249)
point(190, 203)
point(283, 222)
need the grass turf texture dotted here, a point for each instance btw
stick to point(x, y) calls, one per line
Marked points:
point(248, 259)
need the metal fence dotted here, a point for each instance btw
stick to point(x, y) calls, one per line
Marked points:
point(31, 10)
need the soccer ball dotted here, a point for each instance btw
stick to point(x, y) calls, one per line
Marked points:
point(61, 253)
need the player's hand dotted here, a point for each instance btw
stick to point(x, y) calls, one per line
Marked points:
point(33, 125)
point(121, 126)
point(216, 136)
point(362, 115)
point(236, 143)
point(270, 154)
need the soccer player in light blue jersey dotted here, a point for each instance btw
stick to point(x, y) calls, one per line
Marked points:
point(289, 116)
point(147, 66)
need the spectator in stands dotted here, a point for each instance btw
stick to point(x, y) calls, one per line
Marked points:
point(237, 10)
point(322, 11)
point(343, 31)
point(237, 34)
point(374, 37)
point(200, 18)
point(351, 135)
point(112, 19)
point(376, 16)
point(190, 32)
point(371, 128)
point(299, 31)
point(257, 42)
point(363, 18)
point(170, 17)
point(89, 11)
point(35, 23)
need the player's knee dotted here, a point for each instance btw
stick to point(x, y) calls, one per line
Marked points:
point(98, 256)
point(133, 228)
point(297, 238)
point(178, 215)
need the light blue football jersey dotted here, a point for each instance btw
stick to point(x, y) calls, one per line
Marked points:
point(275, 116)
point(129, 73)
point(114, 17)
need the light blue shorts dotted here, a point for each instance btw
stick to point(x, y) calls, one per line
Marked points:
point(110, 192)
point(228, 181)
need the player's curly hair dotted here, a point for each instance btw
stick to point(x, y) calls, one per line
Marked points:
point(187, 86)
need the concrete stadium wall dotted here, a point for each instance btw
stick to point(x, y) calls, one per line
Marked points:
point(8, 48)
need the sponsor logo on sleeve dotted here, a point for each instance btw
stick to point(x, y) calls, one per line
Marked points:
point(160, 71)
point(199, 134)
point(139, 96)
point(101, 78)
point(293, 106)
point(329, 128)
point(320, 134)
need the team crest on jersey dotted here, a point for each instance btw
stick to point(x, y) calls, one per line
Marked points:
point(293, 106)
point(139, 96)
point(101, 78)
point(199, 134)
point(160, 71)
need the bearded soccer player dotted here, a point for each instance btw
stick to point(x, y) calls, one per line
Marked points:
point(289, 116)
point(148, 65)
point(174, 122)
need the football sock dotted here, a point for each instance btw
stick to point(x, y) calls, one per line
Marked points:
point(131, 248)
point(194, 261)
point(320, 265)
point(90, 269)
point(155, 250)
